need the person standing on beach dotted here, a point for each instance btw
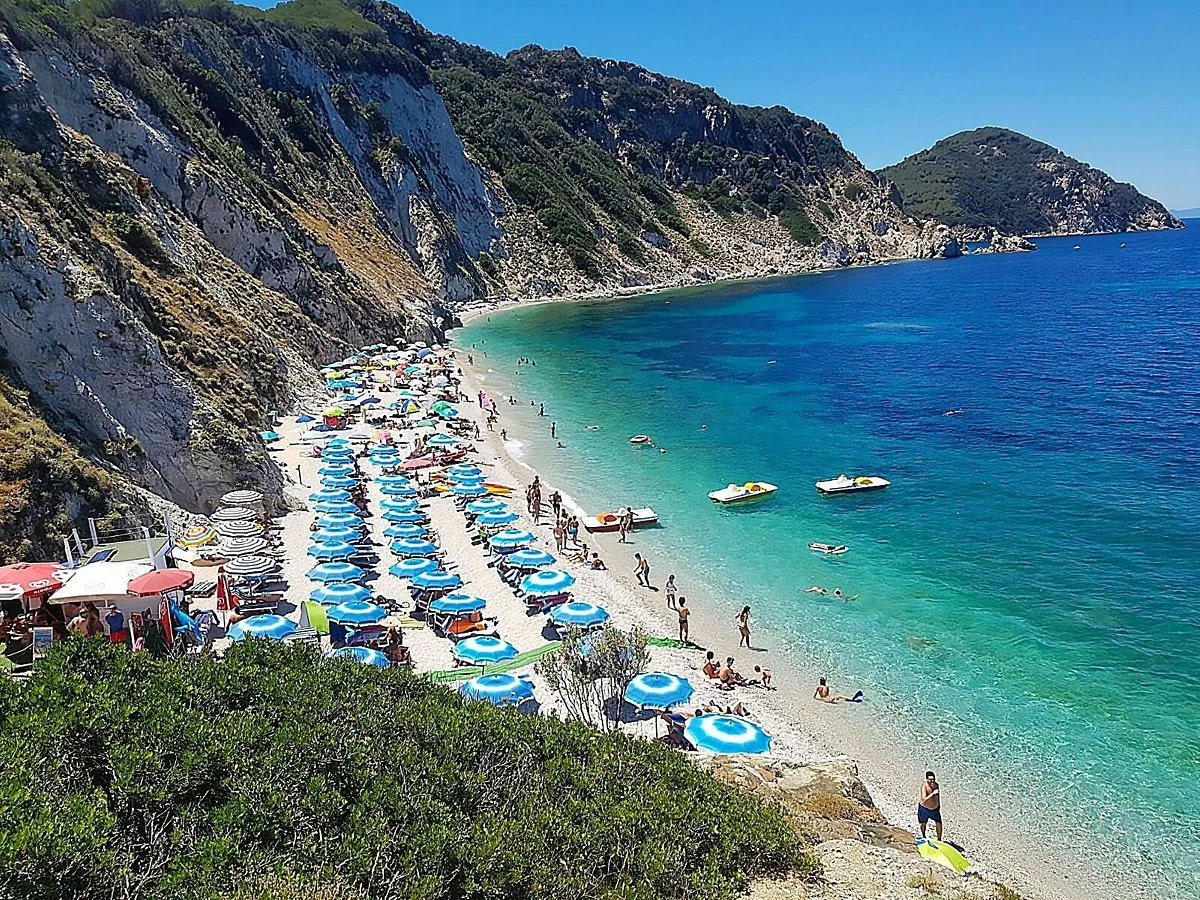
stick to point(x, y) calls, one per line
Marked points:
point(671, 592)
point(683, 612)
point(553, 430)
point(622, 527)
point(559, 534)
point(542, 409)
point(743, 620)
point(556, 502)
point(929, 806)
point(642, 570)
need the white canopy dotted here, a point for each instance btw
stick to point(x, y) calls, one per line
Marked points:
point(100, 582)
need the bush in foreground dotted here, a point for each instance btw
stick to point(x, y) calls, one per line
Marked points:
point(274, 773)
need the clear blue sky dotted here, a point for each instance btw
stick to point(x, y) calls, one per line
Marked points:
point(1116, 84)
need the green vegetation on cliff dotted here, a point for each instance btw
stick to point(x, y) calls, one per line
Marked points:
point(996, 178)
point(275, 774)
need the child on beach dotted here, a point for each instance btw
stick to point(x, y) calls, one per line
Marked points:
point(763, 677)
point(671, 592)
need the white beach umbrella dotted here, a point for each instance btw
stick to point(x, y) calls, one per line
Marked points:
point(233, 514)
point(238, 529)
point(243, 546)
point(242, 498)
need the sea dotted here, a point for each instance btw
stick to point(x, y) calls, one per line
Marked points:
point(1028, 587)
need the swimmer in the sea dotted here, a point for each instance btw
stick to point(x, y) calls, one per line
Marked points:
point(841, 595)
point(816, 589)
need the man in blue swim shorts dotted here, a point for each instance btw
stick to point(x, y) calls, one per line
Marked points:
point(929, 806)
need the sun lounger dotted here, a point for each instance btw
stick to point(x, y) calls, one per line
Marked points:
point(304, 636)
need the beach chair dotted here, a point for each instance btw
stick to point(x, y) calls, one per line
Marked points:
point(308, 636)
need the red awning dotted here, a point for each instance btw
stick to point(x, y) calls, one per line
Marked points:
point(160, 581)
point(32, 580)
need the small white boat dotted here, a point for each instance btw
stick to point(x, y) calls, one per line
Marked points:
point(736, 493)
point(844, 484)
point(607, 521)
point(828, 549)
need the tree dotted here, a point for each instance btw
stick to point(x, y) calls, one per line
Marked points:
point(591, 671)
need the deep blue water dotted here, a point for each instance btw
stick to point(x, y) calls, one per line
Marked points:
point(1029, 586)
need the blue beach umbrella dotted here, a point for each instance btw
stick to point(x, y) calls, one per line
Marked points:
point(337, 442)
point(344, 535)
point(334, 571)
point(265, 626)
point(341, 520)
point(436, 580)
point(413, 547)
point(385, 462)
point(477, 478)
point(410, 568)
point(457, 604)
point(530, 558)
point(468, 490)
point(401, 517)
point(398, 505)
point(364, 655)
point(547, 583)
point(497, 517)
point(336, 453)
point(460, 469)
point(335, 506)
point(328, 495)
point(402, 480)
point(357, 612)
point(304, 420)
point(441, 440)
point(726, 734)
point(511, 539)
point(483, 649)
point(332, 550)
point(499, 689)
point(338, 481)
point(580, 614)
point(405, 530)
point(333, 594)
point(489, 504)
point(382, 449)
point(336, 468)
point(658, 690)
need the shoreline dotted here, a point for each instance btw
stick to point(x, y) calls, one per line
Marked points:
point(804, 727)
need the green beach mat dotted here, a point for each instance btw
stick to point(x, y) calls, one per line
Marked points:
point(517, 662)
point(672, 643)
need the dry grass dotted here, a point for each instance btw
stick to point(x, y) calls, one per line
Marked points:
point(926, 883)
point(832, 806)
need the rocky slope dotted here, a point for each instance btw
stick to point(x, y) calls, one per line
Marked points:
point(993, 178)
point(201, 200)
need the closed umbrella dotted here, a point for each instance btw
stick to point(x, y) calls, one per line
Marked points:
point(405, 530)
point(329, 495)
point(547, 583)
point(198, 536)
point(332, 550)
point(497, 517)
point(340, 592)
point(335, 571)
point(413, 547)
point(336, 506)
point(234, 514)
point(340, 482)
point(341, 520)
point(398, 505)
point(243, 546)
point(357, 612)
point(251, 567)
point(436, 580)
point(242, 498)
point(498, 689)
point(409, 568)
point(511, 539)
point(530, 558)
point(238, 529)
point(457, 604)
point(364, 655)
point(658, 690)
point(488, 504)
point(401, 517)
point(337, 533)
point(264, 626)
point(726, 734)
point(483, 649)
point(580, 614)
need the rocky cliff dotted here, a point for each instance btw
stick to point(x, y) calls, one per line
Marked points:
point(993, 178)
point(200, 201)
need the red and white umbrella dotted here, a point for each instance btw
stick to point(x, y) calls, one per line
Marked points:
point(32, 580)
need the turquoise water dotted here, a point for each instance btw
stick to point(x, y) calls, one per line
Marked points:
point(1028, 587)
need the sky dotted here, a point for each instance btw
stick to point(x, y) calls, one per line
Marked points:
point(1114, 84)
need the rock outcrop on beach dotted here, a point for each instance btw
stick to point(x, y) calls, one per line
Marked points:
point(993, 178)
point(200, 201)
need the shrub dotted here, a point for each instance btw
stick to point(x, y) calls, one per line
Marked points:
point(139, 240)
point(854, 192)
point(277, 773)
point(631, 246)
point(797, 224)
point(700, 247)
